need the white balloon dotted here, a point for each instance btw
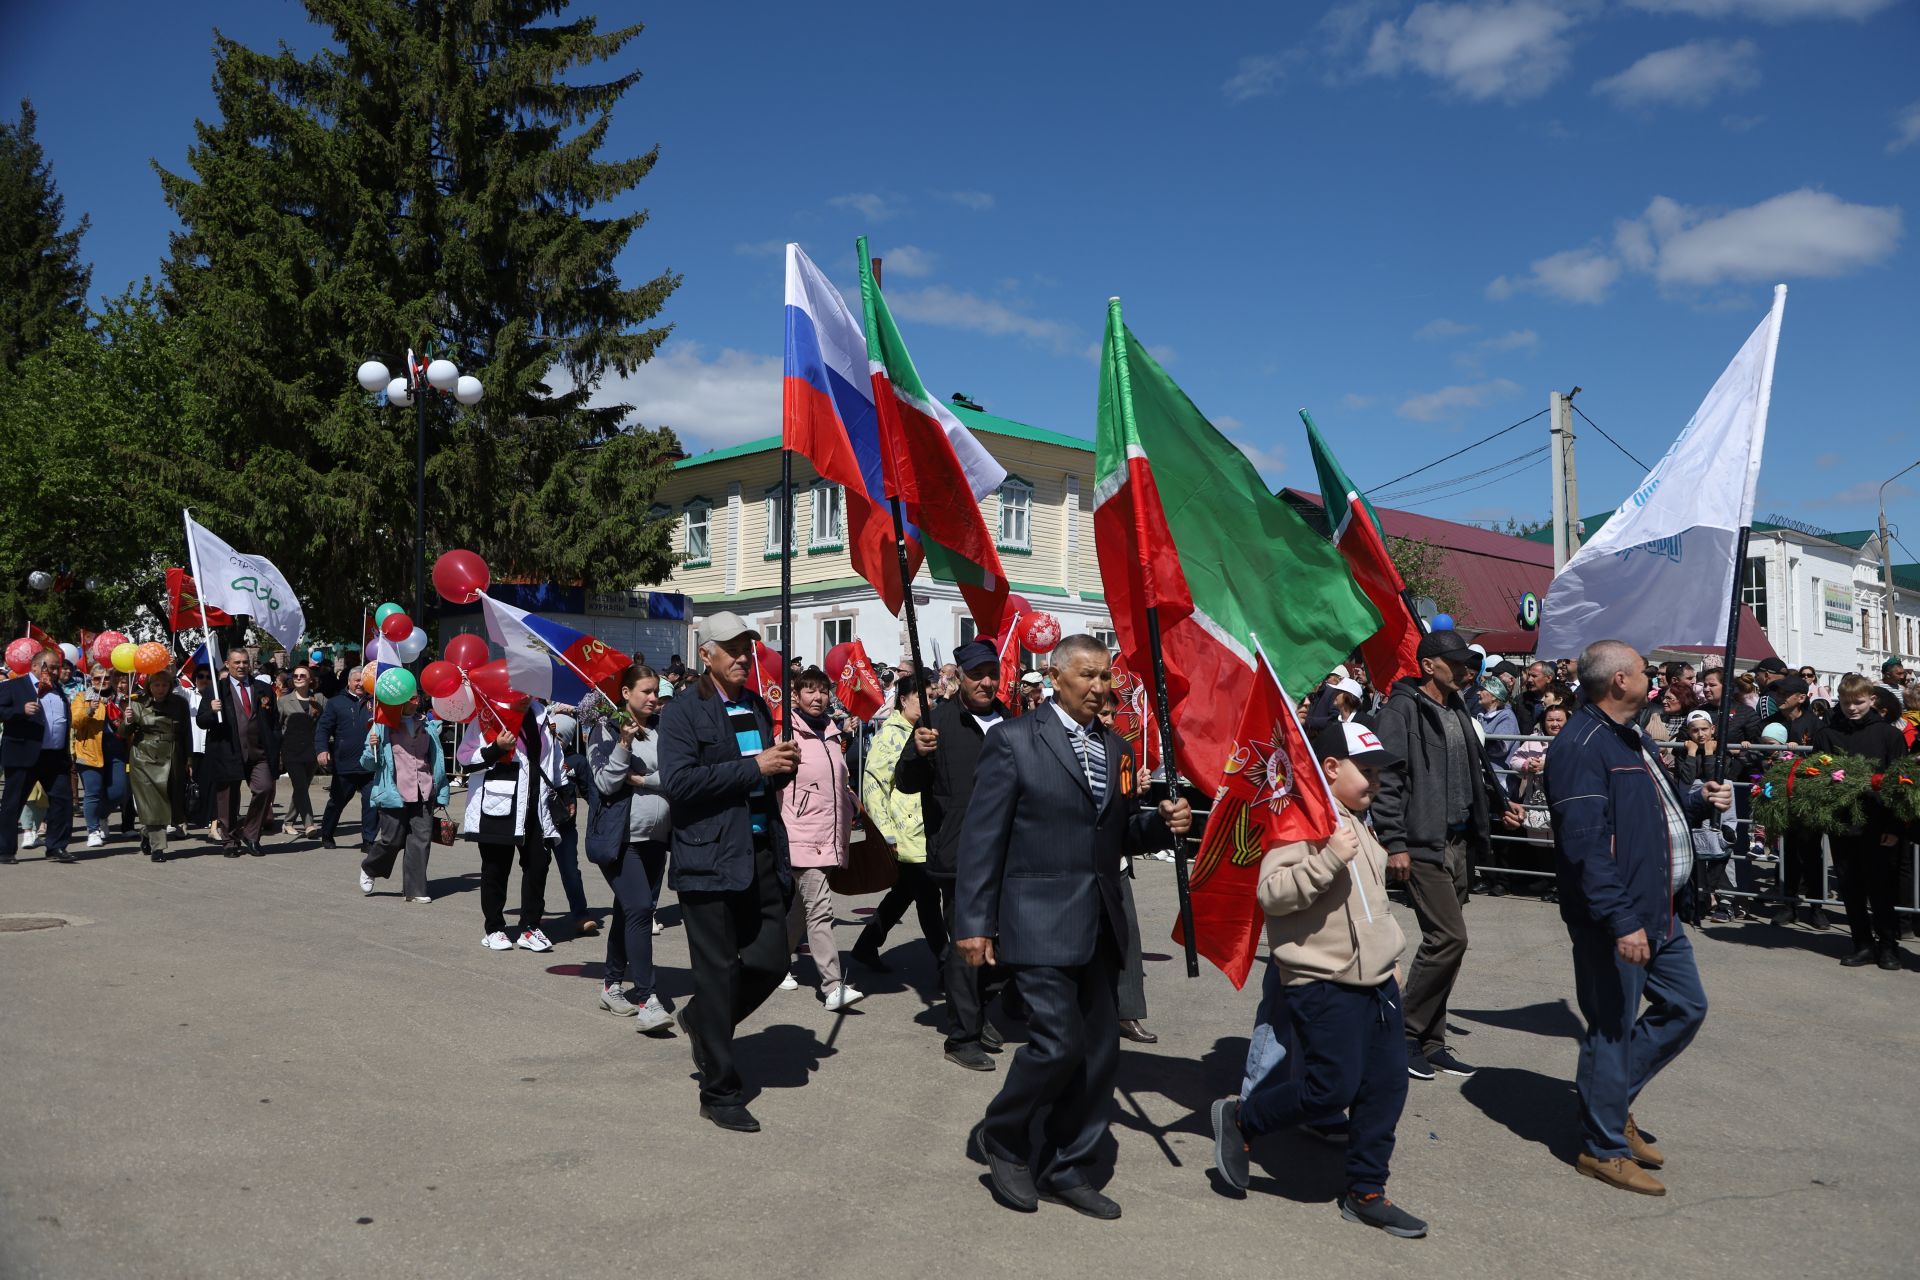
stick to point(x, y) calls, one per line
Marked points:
point(457, 707)
point(413, 646)
point(467, 390)
point(397, 393)
point(443, 374)
point(40, 580)
point(373, 375)
point(71, 652)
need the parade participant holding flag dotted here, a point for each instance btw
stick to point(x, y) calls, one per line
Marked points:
point(1337, 950)
point(509, 810)
point(242, 720)
point(816, 809)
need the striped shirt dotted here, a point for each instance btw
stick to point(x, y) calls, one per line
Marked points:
point(746, 732)
point(1679, 830)
point(1087, 745)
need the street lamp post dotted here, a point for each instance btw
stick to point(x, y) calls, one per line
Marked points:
point(436, 375)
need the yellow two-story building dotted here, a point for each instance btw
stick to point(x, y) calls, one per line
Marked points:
point(727, 542)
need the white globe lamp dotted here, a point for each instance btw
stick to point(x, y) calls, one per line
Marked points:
point(397, 393)
point(372, 375)
point(443, 374)
point(467, 390)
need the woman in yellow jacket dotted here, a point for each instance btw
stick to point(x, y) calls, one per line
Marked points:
point(898, 817)
point(99, 752)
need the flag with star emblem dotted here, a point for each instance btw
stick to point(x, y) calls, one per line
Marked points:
point(549, 661)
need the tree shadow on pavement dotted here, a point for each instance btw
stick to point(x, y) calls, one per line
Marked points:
point(1548, 1018)
point(1536, 1108)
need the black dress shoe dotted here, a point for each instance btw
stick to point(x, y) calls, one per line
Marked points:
point(1861, 958)
point(60, 856)
point(7, 860)
point(970, 1056)
point(1890, 959)
point(869, 957)
point(230, 851)
point(253, 847)
point(731, 1118)
point(1136, 1031)
point(990, 1038)
point(327, 842)
point(1012, 1181)
point(1083, 1199)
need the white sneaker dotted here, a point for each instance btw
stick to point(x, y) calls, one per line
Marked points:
point(844, 996)
point(534, 940)
point(366, 883)
point(789, 983)
point(95, 839)
point(422, 898)
point(652, 1016)
point(614, 1000)
point(28, 839)
point(658, 928)
point(497, 941)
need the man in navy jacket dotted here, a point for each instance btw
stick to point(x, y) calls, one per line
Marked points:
point(33, 748)
point(339, 735)
point(1623, 847)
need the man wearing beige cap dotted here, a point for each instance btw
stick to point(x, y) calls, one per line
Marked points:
point(720, 767)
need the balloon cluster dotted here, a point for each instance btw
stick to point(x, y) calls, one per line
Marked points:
point(408, 641)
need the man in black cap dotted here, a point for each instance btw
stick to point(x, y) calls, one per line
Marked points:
point(1893, 677)
point(1765, 672)
point(938, 765)
point(1433, 815)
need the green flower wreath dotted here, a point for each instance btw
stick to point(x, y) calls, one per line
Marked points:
point(1828, 793)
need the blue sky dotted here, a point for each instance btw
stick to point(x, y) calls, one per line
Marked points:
point(1416, 220)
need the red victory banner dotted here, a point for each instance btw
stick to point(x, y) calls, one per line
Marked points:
point(855, 682)
point(183, 603)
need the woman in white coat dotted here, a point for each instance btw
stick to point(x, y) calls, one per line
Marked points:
point(507, 809)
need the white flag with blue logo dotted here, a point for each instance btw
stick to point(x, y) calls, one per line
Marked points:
point(1661, 570)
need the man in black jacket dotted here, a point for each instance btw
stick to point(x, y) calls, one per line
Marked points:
point(720, 768)
point(339, 736)
point(243, 745)
point(1056, 805)
point(938, 765)
point(1529, 699)
point(1433, 816)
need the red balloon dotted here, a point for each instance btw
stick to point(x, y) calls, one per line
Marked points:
point(439, 679)
point(104, 645)
point(397, 627)
point(20, 654)
point(837, 658)
point(461, 577)
point(467, 651)
point(1017, 604)
point(491, 681)
point(1039, 632)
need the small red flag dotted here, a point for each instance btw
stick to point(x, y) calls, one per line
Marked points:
point(183, 602)
point(857, 685)
point(1010, 665)
point(1227, 920)
point(39, 633)
point(763, 677)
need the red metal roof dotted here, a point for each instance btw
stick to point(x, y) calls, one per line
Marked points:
point(1493, 570)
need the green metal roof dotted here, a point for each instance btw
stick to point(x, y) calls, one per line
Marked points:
point(972, 419)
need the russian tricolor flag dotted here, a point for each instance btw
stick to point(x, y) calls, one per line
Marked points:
point(549, 661)
point(829, 419)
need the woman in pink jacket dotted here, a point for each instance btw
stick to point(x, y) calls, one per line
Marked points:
point(817, 810)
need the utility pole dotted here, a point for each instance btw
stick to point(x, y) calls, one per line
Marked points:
point(1556, 416)
point(1572, 478)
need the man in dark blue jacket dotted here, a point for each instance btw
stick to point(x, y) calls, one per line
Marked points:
point(339, 735)
point(1624, 847)
point(721, 768)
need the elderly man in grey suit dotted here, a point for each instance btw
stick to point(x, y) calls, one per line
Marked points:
point(1056, 804)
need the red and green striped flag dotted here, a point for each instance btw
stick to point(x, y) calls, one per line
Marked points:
point(933, 465)
point(1349, 520)
point(1183, 523)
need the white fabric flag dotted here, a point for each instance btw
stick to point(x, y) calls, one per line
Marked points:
point(243, 584)
point(1661, 570)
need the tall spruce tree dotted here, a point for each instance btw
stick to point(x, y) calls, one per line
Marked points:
point(43, 283)
point(424, 182)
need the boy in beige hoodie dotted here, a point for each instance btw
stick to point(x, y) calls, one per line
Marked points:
point(1338, 949)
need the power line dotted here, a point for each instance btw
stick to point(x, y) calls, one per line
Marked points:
point(1527, 461)
point(1457, 452)
point(1610, 440)
point(1400, 494)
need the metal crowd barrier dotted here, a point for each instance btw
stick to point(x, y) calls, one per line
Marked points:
point(1743, 853)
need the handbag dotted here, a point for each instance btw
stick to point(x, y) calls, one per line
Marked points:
point(443, 830)
point(871, 865)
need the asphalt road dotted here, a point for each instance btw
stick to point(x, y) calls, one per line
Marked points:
point(246, 1069)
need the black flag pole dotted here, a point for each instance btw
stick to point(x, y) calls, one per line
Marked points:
point(786, 593)
point(1170, 780)
point(1726, 663)
point(906, 585)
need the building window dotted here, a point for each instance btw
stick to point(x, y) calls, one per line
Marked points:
point(1105, 636)
point(969, 630)
point(775, 533)
point(770, 637)
point(828, 518)
point(1753, 588)
point(835, 631)
point(699, 546)
point(1016, 516)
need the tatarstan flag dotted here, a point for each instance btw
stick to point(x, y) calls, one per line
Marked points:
point(1183, 523)
point(1354, 528)
point(933, 465)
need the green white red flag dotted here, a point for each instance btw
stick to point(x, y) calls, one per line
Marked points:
point(1349, 521)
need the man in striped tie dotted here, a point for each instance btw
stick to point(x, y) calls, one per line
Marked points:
point(1056, 804)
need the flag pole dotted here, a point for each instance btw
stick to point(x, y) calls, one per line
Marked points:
point(1170, 778)
point(1726, 663)
point(786, 590)
point(206, 631)
point(899, 525)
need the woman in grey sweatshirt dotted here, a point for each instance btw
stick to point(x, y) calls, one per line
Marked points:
point(627, 839)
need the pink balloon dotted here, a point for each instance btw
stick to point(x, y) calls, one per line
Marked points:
point(104, 645)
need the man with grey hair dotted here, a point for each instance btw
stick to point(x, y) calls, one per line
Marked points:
point(33, 748)
point(1624, 847)
point(339, 732)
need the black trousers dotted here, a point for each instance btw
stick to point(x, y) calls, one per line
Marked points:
point(737, 943)
point(1133, 968)
point(1066, 1069)
point(496, 864)
point(1869, 885)
point(1801, 872)
point(249, 824)
point(963, 983)
point(341, 788)
point(54, 771)
point(300, 803)
point(913, 886)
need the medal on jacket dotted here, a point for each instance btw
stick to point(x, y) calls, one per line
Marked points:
point(1126, 775)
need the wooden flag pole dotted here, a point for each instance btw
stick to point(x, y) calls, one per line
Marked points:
point(1170, 778)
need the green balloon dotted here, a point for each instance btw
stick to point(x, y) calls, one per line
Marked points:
point(395, 686)
point(386, 611)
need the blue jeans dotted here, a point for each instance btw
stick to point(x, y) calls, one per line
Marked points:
point(1272, 1041)
point(1620, 1053)
point(110, 779)
point(636, 880)
point(1352, 1057)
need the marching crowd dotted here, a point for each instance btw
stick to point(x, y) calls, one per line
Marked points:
point(1012, 834)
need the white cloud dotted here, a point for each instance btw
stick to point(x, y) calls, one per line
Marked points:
point(1906, 128)
point(957, 309)
point(760, 248)
point(872, 207)
point(1688, 75)
point(1767, 10)
point(1431, 406)
point(1355, 401)
point(1574, 275)
point(1443, 328)
point(906, 260)
point(1256, 77)
point(709, 403)
point(978, 201)
point(1513, 340)
point(1510, 49)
